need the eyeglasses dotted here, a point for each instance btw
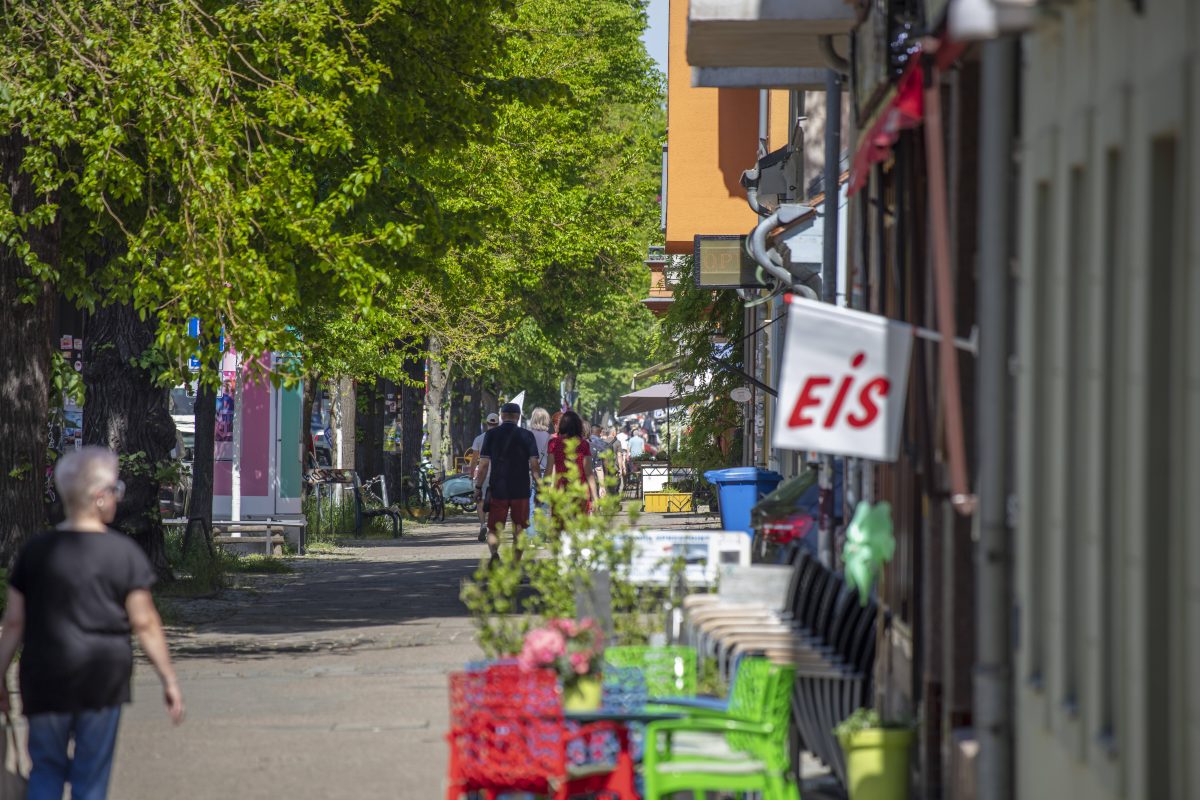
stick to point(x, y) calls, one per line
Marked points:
point(118, 490)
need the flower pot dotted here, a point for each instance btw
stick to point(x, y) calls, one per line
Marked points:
point(582, 694)
point(877, 763)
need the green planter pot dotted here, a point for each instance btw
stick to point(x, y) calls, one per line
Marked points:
point(582, 694)
point(877, 763)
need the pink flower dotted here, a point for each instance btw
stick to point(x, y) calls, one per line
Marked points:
point(542, 647)
point(579, 663)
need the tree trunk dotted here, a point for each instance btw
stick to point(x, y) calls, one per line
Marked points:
point(342, 422)
point(489, 400)
point(200, 501)
point(27, 326)
point(465, 410)
point(412, 407)
point(126, 412)
point(312, 385)
point(369, 419)
point(435, 406)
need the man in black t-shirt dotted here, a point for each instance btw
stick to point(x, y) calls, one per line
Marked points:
point(511, 452)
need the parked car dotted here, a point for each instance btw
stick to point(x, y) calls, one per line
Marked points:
point(790, 513)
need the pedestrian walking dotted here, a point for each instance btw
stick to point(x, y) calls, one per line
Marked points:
point(74, 596)
point(539, 426)
point(481, 505)
point(620, 456)
point(508, 457)
point(570, 439)
point(601, 456)
point(637, 443)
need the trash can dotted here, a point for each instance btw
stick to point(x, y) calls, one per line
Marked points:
point(739, 489)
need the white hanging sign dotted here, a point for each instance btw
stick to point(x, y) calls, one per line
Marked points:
point(844, 382)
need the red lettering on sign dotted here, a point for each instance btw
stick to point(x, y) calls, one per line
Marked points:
point(807, 400)
point(869, 399)
point(870, 410)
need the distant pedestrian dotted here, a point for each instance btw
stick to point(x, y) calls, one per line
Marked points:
point(601, 457)
point(539, 426)
point(509, 459)
point(74, 596)
point(570, 439)
point(493, 419)
point(637, 444)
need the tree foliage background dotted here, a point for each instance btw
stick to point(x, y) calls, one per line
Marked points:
point(361, 182)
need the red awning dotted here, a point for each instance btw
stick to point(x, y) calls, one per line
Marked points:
point(903, 110)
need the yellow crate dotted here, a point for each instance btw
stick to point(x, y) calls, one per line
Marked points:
point(667, 502)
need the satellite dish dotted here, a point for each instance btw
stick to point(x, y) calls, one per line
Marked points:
point(741, 395)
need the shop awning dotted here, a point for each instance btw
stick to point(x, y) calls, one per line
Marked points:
point(903, 108)
point(652, 398)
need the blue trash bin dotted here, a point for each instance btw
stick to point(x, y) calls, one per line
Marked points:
point(739, 489)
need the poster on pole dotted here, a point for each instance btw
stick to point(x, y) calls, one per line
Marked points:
point(844, 382)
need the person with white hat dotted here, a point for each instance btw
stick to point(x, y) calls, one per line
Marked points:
point(493, 419)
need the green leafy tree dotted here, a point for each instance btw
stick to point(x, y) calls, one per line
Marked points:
point(222, 160)
point(566, 198)
point(701, 331)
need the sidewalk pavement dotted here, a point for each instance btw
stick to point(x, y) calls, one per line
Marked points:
point(327, 683)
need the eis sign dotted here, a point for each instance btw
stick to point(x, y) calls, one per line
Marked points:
point(845, 378)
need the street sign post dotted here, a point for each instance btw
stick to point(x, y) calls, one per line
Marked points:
point(844, 383)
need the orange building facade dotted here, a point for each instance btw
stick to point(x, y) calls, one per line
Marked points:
point(712, 137)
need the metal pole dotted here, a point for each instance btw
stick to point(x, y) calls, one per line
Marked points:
point(829, 265)
point(993, 670)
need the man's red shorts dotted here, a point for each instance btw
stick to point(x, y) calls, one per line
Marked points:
point(500, 509)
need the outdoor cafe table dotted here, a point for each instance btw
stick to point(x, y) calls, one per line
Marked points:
point(624, 769)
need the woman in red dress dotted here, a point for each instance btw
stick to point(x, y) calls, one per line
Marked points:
point(570, 434)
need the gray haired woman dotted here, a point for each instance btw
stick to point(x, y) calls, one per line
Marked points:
point(75, 595)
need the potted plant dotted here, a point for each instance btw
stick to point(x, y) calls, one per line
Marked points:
point(574, 650)
point(876, 755)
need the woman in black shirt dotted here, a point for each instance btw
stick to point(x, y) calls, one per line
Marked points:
point(75, 595)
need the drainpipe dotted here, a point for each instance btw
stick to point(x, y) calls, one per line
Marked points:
point(829, 268)
point(993, 670)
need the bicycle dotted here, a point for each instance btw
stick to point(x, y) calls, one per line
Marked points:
point(424, 492)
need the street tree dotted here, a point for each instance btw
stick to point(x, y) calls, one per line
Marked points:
point(224, 161)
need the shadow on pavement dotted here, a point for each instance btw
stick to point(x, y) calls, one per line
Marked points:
point(343, 594)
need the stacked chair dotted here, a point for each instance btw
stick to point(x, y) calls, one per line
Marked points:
point(821, 631)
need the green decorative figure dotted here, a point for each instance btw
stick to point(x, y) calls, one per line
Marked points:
point(869, 545)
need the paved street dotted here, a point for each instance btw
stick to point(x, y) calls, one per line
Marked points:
point(326, 683)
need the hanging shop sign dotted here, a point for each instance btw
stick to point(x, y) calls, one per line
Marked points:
point(723, 263)
point(844, 382)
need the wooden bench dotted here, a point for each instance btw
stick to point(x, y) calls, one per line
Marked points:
point(269, 535)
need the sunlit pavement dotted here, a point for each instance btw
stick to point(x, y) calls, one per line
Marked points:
point(326, 683)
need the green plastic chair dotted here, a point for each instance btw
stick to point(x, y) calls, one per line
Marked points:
point(743, 750)
point(669, 671)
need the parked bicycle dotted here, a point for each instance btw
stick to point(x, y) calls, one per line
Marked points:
point(423, 494)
